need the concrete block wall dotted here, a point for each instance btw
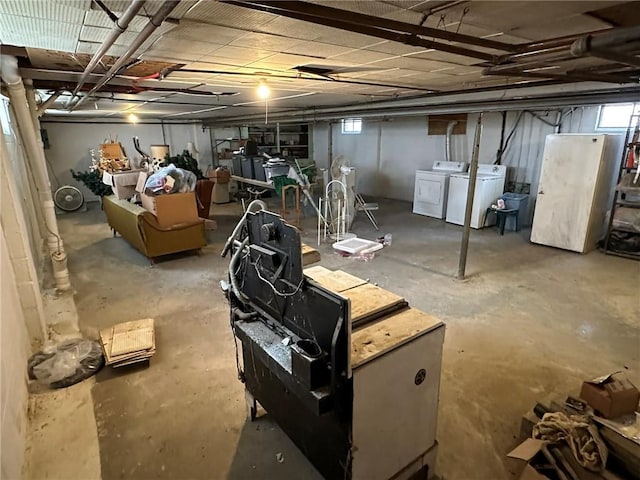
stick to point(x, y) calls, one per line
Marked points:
point(14, 351)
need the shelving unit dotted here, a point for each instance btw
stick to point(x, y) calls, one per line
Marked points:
point(289, 140)
point(626, 200)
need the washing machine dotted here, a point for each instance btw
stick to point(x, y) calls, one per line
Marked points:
point(489, 187)
point(431, 188)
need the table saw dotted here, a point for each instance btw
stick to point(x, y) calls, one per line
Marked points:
point(347, 369)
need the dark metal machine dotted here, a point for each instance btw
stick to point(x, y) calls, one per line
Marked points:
point(295, 340)
point(358, 396)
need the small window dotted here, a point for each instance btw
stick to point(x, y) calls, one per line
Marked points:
point(617, 116)
point(351, 125)
point(5, 119)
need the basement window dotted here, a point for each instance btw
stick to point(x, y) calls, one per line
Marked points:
point(351, 126)
point(617, 116)
point(4, 115)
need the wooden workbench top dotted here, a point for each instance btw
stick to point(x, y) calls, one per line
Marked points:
point(378, 338)
point(366, 300)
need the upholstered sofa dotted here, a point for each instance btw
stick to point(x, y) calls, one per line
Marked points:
point(140, 228)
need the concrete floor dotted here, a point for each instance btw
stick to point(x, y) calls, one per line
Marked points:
point(529, 322)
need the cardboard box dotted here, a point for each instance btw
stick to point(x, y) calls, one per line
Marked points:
point(220, 175)
point(610, 397)
point(122, 183)
point(526, 452)
point(172, 209)
point(112, 150)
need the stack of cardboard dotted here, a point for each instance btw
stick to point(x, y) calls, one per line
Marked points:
point(128, 342)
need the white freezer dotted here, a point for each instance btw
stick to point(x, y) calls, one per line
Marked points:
point(573, 192)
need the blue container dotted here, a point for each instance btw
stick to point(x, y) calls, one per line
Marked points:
point(519, 201)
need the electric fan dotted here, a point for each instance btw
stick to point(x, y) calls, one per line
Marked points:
point(68, 198)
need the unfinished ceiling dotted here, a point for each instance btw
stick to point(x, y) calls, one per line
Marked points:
point(206, 58)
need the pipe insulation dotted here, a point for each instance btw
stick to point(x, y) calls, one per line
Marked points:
point(36, 158)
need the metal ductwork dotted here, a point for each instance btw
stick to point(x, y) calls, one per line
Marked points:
point(27, 122)
point(120, 27)
point(155, 21)
point(447, 143)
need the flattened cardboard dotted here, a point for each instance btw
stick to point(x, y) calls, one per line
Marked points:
point(527, 449)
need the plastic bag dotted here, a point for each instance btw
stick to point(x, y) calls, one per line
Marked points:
point(180, 181)
point(71, 362)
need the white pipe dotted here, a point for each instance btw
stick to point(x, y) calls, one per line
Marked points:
point(155, 21)
point(48, 102)
point(118, 28)
point(35, 153)
point(447, 142)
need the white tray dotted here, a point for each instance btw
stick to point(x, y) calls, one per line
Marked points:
point(356, 245)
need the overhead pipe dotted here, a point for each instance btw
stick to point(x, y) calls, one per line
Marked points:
point(48, 102)
point(155, 21)
point(35, 153)
point(615, 96)
point(570, 75)
point(601, 46)
point(551, 43)
point(460, 102)
point(615, 38)
point(120, 26)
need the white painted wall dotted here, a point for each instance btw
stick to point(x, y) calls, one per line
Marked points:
point(14, 348)
point(387, 153)
point(70, 145)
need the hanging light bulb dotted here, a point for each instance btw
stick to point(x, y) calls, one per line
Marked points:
point(263, 90)
point(133, 118)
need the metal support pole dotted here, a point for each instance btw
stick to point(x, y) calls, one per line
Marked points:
point(473, 173)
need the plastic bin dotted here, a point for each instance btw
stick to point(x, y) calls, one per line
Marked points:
point(276, 171)
point(258, 169)
point(519, 201)
point(246, 164)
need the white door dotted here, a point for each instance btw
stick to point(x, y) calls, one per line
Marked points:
point(565, 193)
point(429, 195)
